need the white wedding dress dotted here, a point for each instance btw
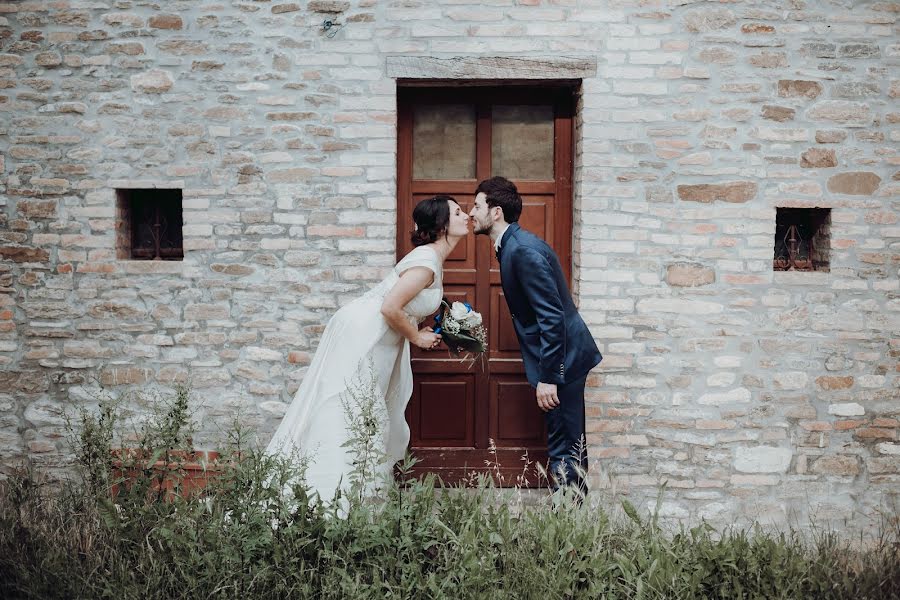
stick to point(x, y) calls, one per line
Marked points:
point(357, 336)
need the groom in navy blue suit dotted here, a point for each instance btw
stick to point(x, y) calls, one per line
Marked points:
point(558, 349)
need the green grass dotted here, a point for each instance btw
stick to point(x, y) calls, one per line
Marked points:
point(248, 539)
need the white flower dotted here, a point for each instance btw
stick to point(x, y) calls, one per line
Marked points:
point(458, 311)
point(473, 319)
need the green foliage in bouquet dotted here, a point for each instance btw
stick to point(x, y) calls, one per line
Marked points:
point(461, 328)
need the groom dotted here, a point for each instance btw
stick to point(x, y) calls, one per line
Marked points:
point(557, 348)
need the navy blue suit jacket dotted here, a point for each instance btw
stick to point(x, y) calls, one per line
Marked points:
point(557, 347)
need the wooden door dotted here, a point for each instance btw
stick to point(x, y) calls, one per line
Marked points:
point(449, 139)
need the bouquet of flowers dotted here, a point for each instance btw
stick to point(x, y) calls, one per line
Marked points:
point(460, 328)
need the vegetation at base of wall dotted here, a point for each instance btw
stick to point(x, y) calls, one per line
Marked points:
point(255, 533)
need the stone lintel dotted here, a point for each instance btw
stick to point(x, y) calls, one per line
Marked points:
point(490, 67)
point(130, 184)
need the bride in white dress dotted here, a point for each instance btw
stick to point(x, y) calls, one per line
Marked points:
point(375, 329)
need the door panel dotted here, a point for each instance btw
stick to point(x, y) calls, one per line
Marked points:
point(446, 411)
point(501, 328)
point(537, 216)
point(513, 420)
point(459, 410)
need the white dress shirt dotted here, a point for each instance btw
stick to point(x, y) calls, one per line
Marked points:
point(499, 238)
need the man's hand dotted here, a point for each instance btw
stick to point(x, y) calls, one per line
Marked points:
point(547, 399)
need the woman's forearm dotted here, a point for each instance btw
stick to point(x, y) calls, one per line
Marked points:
point(397, 320)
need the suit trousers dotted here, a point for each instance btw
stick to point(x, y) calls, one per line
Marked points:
point(566, 442)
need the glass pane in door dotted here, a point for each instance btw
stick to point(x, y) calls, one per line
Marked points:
point(444, 141)
point(522, 141)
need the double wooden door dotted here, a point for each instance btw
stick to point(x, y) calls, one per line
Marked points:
point(462, 415)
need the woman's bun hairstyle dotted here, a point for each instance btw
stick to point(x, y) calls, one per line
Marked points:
point(431, 218)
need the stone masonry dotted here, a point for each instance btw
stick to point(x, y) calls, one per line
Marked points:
point(754, 394)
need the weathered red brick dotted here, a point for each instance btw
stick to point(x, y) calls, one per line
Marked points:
point(795, 88)
point(836, 465)
point(874, 433)
point(689, 275)
point(816, 425)
point(778, 113)
point(834, 383)
point(232, 269)
point(166, 22)
point(757, 28)
point(731, 191)
point(848, 424)
point(860, 183)
point(124, 375)
point(818, 158)
point(24, 254)
point(285, 8)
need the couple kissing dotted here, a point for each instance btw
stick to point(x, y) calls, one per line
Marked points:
point(558, 350)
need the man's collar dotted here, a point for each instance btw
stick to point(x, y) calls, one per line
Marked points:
point(500, 238)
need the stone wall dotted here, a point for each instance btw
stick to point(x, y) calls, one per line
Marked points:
point(753, 393)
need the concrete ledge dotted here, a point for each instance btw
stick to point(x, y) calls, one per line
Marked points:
point(490, 67)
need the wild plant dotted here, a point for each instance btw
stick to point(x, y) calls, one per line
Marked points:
point(254, 533)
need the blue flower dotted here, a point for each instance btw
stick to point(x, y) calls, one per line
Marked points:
point(438, 317)
point(468, 306)
point(437, 330)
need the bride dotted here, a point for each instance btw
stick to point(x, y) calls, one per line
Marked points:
point(374, 331)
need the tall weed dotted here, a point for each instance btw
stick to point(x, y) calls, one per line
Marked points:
point(246, 537)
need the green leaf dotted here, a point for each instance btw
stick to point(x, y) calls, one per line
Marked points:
point(632, 512)
point(108, 513)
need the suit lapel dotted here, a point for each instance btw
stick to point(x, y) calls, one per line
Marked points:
point(510, 231)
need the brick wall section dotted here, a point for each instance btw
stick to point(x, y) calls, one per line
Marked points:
point(754, 394)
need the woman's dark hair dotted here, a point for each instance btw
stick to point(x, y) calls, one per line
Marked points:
point(502, 192)
point(432, 218)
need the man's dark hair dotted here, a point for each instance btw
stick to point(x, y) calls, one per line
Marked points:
point(502, 192)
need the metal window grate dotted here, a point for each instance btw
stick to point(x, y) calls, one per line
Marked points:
point(802, 239)
point(151, 221)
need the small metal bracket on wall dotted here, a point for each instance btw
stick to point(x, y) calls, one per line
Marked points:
point(330, 28)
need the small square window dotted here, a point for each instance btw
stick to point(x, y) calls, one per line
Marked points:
point(149, 224)
point(802, 239)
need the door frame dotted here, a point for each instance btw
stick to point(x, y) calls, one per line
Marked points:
point(563, 95)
